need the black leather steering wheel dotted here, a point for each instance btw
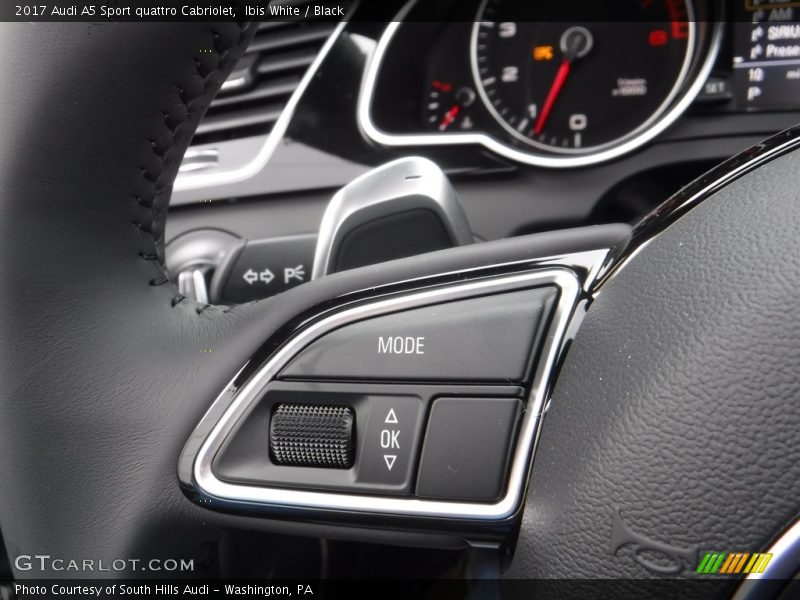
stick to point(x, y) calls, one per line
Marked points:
point(675, 417)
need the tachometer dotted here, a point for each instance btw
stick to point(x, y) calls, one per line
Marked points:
point(567, 87)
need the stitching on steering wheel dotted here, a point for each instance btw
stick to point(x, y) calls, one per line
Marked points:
point(157, 205)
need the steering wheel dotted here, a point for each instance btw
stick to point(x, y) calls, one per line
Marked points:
point(672, 429)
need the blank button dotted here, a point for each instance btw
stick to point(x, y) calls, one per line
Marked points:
point(467, 448)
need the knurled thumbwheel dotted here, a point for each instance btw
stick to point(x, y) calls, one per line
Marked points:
point(305, 435)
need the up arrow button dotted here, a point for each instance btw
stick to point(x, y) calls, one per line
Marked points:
point(391, 418)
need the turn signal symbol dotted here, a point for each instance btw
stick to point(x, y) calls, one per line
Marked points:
point(266, 276)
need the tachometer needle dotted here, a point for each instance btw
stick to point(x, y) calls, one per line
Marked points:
point(552, 95)
point(449, 117)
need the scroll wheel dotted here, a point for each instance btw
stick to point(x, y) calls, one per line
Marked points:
point(305, 435)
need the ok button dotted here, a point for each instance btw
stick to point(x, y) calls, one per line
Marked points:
point(389, 443)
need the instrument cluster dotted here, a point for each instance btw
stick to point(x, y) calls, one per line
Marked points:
point(542, 83)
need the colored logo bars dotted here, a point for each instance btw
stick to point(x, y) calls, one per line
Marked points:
point(728, 563)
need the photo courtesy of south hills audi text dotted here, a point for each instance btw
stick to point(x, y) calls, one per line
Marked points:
point(122, 590)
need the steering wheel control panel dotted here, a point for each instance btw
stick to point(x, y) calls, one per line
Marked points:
point(316, 429)
point(367, 438)
point(423, 402)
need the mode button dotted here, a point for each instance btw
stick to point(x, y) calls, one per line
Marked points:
point(486, 339)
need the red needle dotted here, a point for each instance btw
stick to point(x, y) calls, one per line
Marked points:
point(449, 117)
point(555, 90)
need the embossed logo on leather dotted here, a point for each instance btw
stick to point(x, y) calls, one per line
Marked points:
point(655, 556)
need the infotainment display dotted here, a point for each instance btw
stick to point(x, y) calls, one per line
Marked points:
point(766, 55)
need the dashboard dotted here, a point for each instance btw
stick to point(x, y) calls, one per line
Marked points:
point(543, 115)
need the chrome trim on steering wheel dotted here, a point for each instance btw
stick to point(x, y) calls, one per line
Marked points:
point(697, 191)
point(784, 565)
point(571, 274)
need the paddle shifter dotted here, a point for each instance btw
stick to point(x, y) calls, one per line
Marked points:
point(399, 209)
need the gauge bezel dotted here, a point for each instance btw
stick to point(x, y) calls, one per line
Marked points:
point(399, 140)
point(675, 90)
